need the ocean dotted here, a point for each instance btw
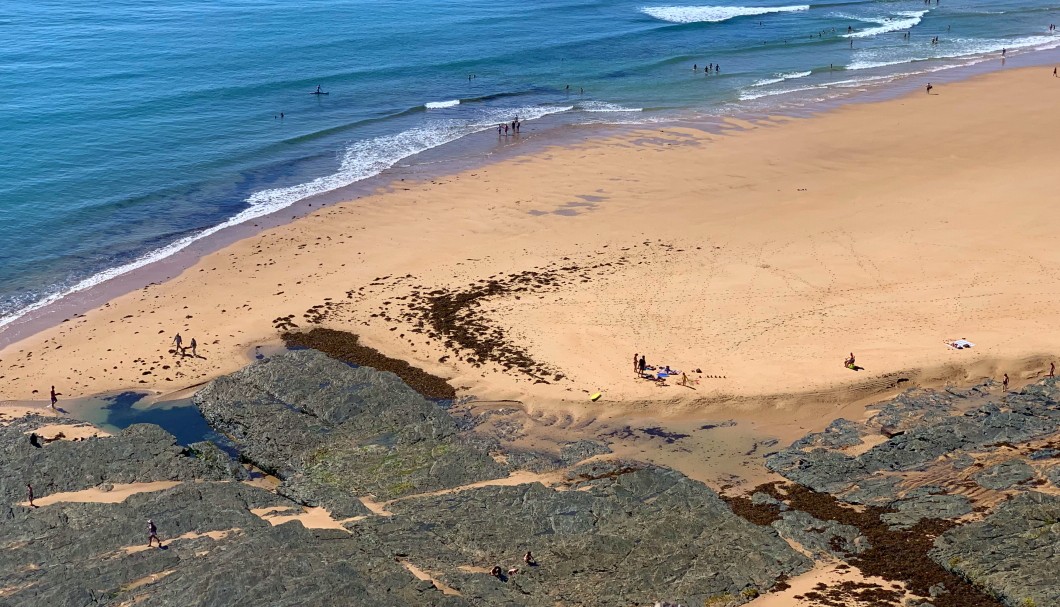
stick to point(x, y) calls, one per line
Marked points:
point(132, 129)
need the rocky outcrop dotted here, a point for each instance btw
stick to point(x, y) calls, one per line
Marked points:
point(140, 453)
point(334, 432)
point(923, 426)
point(955, 438)
point(616, 533)
point(602, 532)
point(1012, 552)
point(821, 538)
point(1004, 475)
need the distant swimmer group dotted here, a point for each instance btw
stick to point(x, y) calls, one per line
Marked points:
point(708, 69)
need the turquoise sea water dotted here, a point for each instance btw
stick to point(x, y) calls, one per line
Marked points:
point(130, 129)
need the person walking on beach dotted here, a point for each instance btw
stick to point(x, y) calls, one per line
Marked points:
point(1054, 72)
point(193, 346)
point(55, 397)
point(1004, 383)
point(178, 341)
point(29, 489)
point(1052, 370)
point(152, 534)
point(928, 88)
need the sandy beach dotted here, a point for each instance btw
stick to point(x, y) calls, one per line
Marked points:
point(760, 256)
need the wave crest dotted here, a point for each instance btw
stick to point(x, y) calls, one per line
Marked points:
point(603, 106)
point(900, 21)
point(438, 105)
point(781, 78)
point(714, 14)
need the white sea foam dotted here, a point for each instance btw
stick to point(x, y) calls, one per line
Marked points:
point(900, 21)
point(361, 160)
point(713, 14)
point(848, 83)
point(953, 48)
point(603, 106)
point(437, 105)
point(781, 78)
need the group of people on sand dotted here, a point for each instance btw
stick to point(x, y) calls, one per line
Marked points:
point(515, 126)
point(645, 371)
point(182, 349)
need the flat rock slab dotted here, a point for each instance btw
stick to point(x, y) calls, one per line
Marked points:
point(620, 533)
point(1004, 475)
point(1012, 552)
point(911, 511)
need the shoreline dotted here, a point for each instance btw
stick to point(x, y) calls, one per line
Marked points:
point(449, 196)
point(476, 151)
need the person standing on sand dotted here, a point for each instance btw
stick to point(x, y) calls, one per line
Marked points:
point(1004, 383)
point(152, 533)
point(1052, 370)
point(928, 88)
point(636, 362)
point(29, 489)
point(193, 346)
point(1054, 72)
point(642, 365)
point(55, 397)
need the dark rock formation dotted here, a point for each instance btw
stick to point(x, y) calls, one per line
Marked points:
point(1012, 552)
point(912, 510)
point(609, 533)
point(1004, 475)
point(140, 453)
point(333, 432)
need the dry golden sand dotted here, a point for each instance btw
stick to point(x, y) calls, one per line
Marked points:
point(761, 255)
point(118, 493)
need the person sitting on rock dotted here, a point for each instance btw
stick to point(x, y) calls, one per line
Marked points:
point(513, 570)
point(496, 571)
point(528, 558)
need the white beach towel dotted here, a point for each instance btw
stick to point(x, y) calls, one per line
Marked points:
point(961, 344)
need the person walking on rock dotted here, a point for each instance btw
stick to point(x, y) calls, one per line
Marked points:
point(152, 534)
point(29, 489)
point(1004, 383)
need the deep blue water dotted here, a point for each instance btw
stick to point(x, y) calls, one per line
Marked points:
point(129, 128)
